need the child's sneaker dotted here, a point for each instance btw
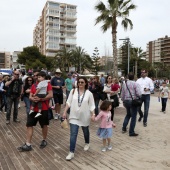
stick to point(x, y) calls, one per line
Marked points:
point(109, 147)
point(38, 114)
point(56, 117)
point(104, 149)
point(31, 111)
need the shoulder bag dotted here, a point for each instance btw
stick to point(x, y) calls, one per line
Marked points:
point(135, 102)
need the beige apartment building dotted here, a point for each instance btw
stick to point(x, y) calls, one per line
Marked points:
point(5, 60)
point(56, 28)
point(159, 51)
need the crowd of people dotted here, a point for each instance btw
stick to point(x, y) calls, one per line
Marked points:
point(83, 104)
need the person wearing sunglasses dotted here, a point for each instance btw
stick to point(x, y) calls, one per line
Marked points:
point(81, 104)
point(146, 85)
point(13, 96)
point(26, 92)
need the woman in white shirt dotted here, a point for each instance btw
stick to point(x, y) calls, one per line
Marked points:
point(81, 104)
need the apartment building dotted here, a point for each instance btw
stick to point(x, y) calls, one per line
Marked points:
point(56, 28)
point(5, 60)
point(159, 51)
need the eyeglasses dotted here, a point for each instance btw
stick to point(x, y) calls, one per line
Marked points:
point(29, 80)
point(81, 82)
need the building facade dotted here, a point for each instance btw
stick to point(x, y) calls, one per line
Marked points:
point(56, 28)
point(5, 60)
point(158, 51)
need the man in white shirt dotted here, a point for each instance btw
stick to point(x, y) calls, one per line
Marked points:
point(146, 85)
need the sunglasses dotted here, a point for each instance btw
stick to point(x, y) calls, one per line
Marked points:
point(16, 74)
point(81, 82)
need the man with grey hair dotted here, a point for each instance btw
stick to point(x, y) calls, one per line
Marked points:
point(13, 96)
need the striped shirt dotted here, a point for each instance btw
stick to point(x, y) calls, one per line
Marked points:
point(134, 90)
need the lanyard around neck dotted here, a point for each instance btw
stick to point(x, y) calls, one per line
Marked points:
point(80, 101)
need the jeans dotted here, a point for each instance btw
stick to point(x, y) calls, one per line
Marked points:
point(73, 135)
point(131, 113)
point(96, 101)
point(10, 101)
point(146, 99)
point(164, 101)
point(28, 104)
point(4, 102)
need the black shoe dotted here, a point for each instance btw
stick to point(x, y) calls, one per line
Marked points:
point(140, 118)
point(144, 124)
point(133, 134)
point(24, 148)
point(16, 120)
point(43, 144)
point(124, 130)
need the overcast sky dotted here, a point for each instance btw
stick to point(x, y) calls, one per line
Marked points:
point(19, 17)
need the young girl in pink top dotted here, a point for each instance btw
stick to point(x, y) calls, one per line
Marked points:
point(106, 125)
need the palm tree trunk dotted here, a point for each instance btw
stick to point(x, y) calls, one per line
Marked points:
point(136, 69)
point(114, 44)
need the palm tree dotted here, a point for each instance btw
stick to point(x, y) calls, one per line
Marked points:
point(63, 59)
point(108, 15)
point(136, 54)
point(80, 59)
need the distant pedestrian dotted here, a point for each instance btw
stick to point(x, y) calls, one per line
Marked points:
point(146, 86)
point(164, 95)
point(102, 80)
point(105, 131)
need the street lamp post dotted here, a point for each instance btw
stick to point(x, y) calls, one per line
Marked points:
point(128, 40)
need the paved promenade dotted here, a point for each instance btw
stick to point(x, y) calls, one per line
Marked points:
point(149, 151)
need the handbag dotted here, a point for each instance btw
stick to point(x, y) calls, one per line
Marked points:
point(63, 123)
point(135, 102)
point(103, 96)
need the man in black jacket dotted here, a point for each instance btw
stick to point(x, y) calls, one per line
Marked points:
point(13, 96)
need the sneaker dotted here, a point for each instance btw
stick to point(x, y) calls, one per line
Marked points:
point(16, 120)
point(18, 105)
point(24, 147)
point(104, 149)
point(70, 156)
point(109, 147)
point(5, 112)
point(7, 122)
point(56, 117)
point(86, 147)
point(43, 144)
point(31, 111)
point(38, 114)
point(164, 112)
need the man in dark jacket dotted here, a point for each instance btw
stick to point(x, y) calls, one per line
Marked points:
point(13, 96)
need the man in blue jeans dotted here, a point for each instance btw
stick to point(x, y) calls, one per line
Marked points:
point(146, 85)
